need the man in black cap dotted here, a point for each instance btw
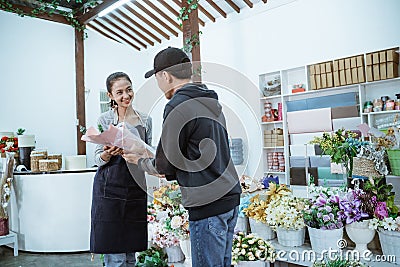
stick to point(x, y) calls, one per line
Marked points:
point(194, 150)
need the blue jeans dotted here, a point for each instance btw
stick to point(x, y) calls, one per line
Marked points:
point(120, 260)
point(211, 240)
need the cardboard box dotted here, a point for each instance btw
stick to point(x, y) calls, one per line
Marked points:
point(349, 80)
point(318, 81)
point(347, 64)
point(392, 55)
point(353, 62)
point(313, 84)
point(354, 75)
point(317, 69)
point(360, 75)
point(375, 69)
point(341, 64)
point(370, 76)
point(375, 58)
point(342, 75)
point(312, 70)
point(323, 80)
point(382, 70)
point(392, 70)
point(368, 59)
point(360, 61)
point(382, 56)
point(328, 66)
point(322, 68)
point(336, 65)
point(336, 79)
point(329, 79)
point(344, 112)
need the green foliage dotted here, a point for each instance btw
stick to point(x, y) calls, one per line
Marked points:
point(20, 131)
point(338, 263)
point(82, 129)
point(184, 12)
point(383, 192)
point(191, 42)
point(152, 257)
point(100, 128)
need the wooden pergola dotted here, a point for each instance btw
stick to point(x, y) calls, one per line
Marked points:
point(137, 24)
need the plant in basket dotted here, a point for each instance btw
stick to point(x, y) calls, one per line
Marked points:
point(251, 248)
point(152, 257)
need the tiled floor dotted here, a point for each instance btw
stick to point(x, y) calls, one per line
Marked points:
point(26, 259)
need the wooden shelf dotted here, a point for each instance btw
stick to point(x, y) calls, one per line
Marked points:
point(381, 112)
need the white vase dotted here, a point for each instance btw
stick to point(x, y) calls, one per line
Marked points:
point(360, 234)
point(291, 238)
point(261, 230)
point(325, 239)
point(390, 243)
point(251, 264)
point(174, 253)
point(241, 225)
point(186, 248)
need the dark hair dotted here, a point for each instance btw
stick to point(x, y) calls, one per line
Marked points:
point(181, 71)
point(114, 77)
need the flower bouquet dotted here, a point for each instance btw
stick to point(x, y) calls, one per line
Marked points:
point(8, 144)
point(251, 248)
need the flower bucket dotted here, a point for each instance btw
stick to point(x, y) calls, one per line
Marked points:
point(291, 238)
point(261, 229)
point(394, 160)
point(325, 239)
point(251, 264)
point(174, 253)
point(360, 234)
point(241, 224)
point(390, 242)
point(4, 229)
point(186, 248)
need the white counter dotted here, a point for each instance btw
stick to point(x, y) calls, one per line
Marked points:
point(51, 212)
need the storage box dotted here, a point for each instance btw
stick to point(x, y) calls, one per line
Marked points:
point(345, 112)
point(320, 161)
point(336, 79)
point(323, 80)
point(392, 55)
point(322, 68)
point(317, 69)
point(360, 61)
point(376, 69)
point(347, 64)
point(370, 76)
point(375, 58)
point(382, 56)
point(318, 81)
point(382, 70)
point(336, 65)
point(299, 161)
point(312, 70)
point(313, 84)
point(360, 75)
point(329, 79)
point(341, 64)
point(392, 70)
point(328, 66)
point(342, 75)
point(354, 75)
point(368, 59)
point(349, 80)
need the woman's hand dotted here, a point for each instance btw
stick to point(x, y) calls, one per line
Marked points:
point(110, 151)
point(133, 157)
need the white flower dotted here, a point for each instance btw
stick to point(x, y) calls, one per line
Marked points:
point(260, 242)
point(243, 252)
point(245, 246)
point(389, 224)
point(176, 222)
point(252, 258)
point(373, 223)
point(251, 241)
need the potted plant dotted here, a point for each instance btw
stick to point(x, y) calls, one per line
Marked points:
point(284, 215)
point(152, 257)
point(250, 250)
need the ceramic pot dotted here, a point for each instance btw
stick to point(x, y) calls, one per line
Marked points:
point(174, 253)
point(325, 239)
point(262, 230)
point(390, 242)
point(360, 234)
point(291, 238)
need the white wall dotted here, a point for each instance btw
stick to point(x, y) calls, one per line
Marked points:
point(278, 35)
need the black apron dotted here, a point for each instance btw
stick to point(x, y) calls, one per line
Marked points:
point(119, 207)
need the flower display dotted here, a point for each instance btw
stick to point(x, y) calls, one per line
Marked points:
point(5, 184)
point(8, 144)
point(285, 212)
point(251, 248)
point(388, 223)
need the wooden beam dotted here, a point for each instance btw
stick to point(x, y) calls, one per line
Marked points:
point(94, 12)
point(150, 14)
point(80, 90)
point(132, 29)
point(118, 35)
point(176, 13)
point(124, 31)
point(205, 12)
point(233, 5)
point(119, 12)
point(165, 16)
point(54, 17)
point(249, 3)
point(216, 7)
point(191, 27)
point(101, 32)
point(154, 27)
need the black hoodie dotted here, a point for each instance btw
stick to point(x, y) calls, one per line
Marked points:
point(194, 150)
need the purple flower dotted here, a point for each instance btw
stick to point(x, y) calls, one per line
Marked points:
point(319, 215)
point(326, 218)
point(334, 199)
point(381, 210)
point(321, 200)
point(328, 208)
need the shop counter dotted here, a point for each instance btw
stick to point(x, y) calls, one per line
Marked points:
point(50, 212)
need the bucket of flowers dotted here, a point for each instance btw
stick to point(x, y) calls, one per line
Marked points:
point(250, 250)
point(5, 192)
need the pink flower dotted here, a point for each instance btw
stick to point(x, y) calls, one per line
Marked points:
point(381, 210)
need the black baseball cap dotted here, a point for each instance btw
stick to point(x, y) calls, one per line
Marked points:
point(166, 58)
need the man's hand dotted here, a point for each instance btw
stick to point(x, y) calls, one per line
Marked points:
point(133, 157)
point(110, 151)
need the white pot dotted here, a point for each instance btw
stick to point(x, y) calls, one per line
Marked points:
point(325, 239)
point(186, 248)
point(241, 224)
point(261, 230)
point(251, 264)
point(360, 234)
point(291, 238)
point(174, 253)
point(390, 243)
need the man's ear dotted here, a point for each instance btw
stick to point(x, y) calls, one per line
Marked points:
point(168, 77)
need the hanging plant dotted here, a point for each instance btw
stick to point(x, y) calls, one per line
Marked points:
point(184, 12)
point(191, 42)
